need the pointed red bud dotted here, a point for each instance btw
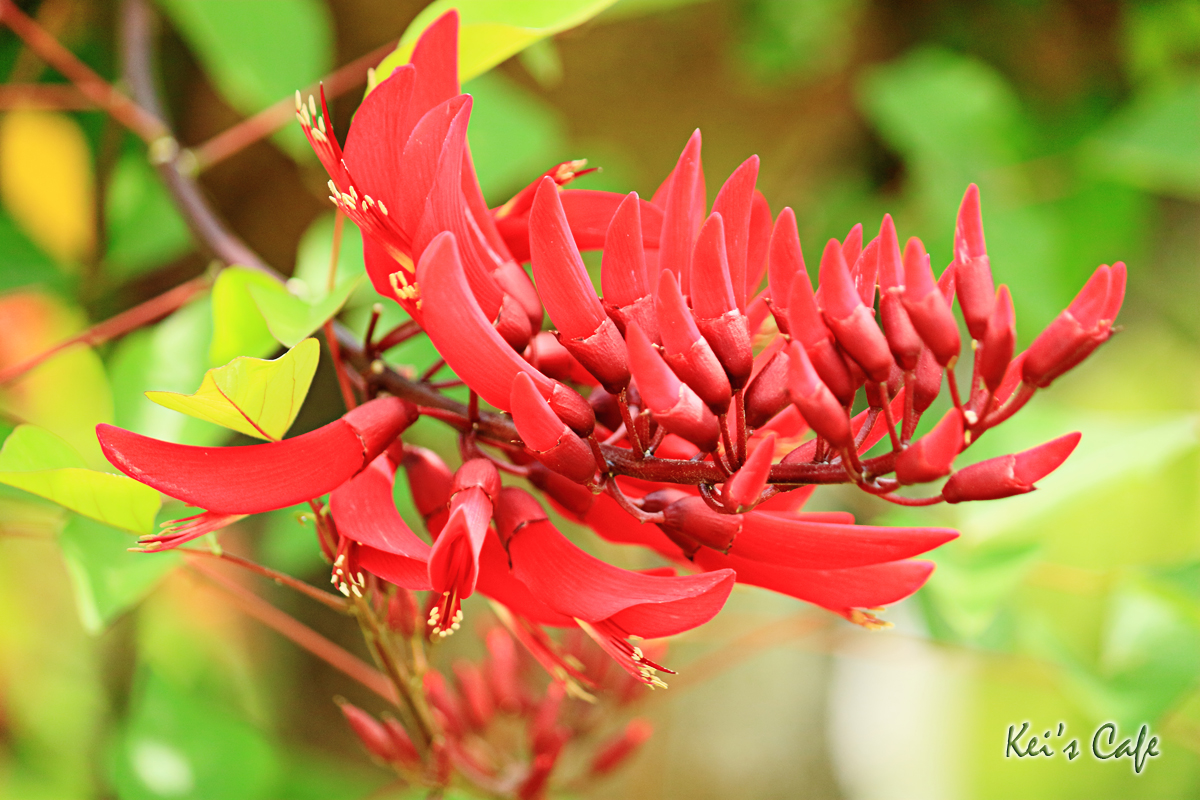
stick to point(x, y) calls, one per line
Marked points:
point(501, 669)
point(674, 406)
point(716, 311)
point(891, 264)
point(477, 699)
point(1009, 475)
point(733, 203)
point(902, 338)
point(687, 351)
point(821, 410)
point(928, 382)
point(1078, 330)
point(403, 614)
point(932, 456)
point(744, 486)
point(430, 481)
point(370, 732)
point(623, 275)
point(768, 394)
point(785, 261)
point(261, 477)
point(865, 273)
point(852, 245)
point(682, 213)
point(554, 444)
point(621, 747)
point(756, 249)
point(406, 751)
point(975, 289)
point(996, 349)
point(852, 323)
point(927, 309)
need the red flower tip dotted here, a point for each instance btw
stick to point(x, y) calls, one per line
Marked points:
point(821, 410)
point(430, 481)
point(687, 351)
point(572, 500)
point(767, 394)
point(734, 203)
point(976, 290)
point(785, 261)
point(477, 473)
point(804, 319)
point(406, 751)
point(891, 264)
point(1077, 331)
point(852, 323)
point(674, 405)
point(621, 747)
point(902, 338)
point(999, 341)
point(865, 273)
point(623, 266)
point(516, 508)
point(968, 233)
point(1009, 475)
point(852, 245)
point(370, 732)
point(554, 444)
point(927, 309)
point(712, 290)
point(682, 212)
point(688, 518)
point(745, 485)
point(838, 295)
point(928, 381)
point(562, 279)
point(760, 238)
point(932, 456)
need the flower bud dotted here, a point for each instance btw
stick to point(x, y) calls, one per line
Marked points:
point(767, 394)
point(686, 350)
point(430, 481)
point(744, 486)
point(1009, 475)
point(852, 323)
point(516, 508)
point(545, 435)
point(821, 410)
point(785, 261)
point(714, 306)
point(690, 517)
point(403, 612)
point(478, 704)
point(571, 499)
point(733, 204)
point(999, 341)
point(406, 751)
point(370, 732)
point(443, 700)
point(810, 330)
point(927, 308)
point(674, 405)
point(502, 668)
point(1077, 331)
point(975, 289)
point(932, 456)
point(628, 293)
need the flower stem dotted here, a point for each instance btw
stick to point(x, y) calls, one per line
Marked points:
point(328, 599)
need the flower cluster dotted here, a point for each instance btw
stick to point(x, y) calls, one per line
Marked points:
point(683, 410)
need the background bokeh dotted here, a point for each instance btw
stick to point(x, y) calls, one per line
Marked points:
point(121, 676)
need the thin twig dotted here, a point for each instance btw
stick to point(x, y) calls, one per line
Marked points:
point(142, 122)
point(44, 97)
point(289, 627)
point(142, 314)
point(282, 578)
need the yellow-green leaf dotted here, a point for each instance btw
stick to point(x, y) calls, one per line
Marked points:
point(238, 328)
point(37, 461)
point(493, 30)
point(290, 319)
point(249, 395)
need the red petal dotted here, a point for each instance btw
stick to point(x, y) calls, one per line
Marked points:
point(785, 261)
point(712, 289)
point(435, 57)
point(852, 245)
point(999, 341)
point(733, 203)
point(783, 540)
point(364, 511)
point(422, 151)
point(745, 485)
point(968, 233)
point(681, 213)
point(555, 444)
point(821, 410)
point(623, 269)
point(932, 456)
point(371, 151)
point(760, 238)
point(562, 278)
point(261, 477)
point(687, 351)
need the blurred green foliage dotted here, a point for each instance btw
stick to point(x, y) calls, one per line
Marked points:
point(1079, 602)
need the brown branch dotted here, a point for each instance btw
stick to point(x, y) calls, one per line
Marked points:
point(327, 598)
point(340, 659)
point(44, 97)
point(142, 314)
point(137, 119)
point(245, 133)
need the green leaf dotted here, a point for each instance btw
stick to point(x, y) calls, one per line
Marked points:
point(255, 397)
point(310, 281)
point(513, 132)
point(144, 230)
point(107, 577)
point(494, 30)
point(1152, 144)
point(41, 463)
point(238, 327)
point(259, 52)
point(290, 319)
point(181, 744)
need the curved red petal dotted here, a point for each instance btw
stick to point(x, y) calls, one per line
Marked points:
point(364, 511)
point(783, 540)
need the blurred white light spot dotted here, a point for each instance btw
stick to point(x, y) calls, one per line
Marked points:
point(162, 768)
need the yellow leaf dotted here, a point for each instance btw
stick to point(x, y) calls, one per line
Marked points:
point(46, 182)
point(249, 395)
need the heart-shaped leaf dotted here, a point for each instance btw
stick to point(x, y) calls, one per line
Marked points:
point(37, 461)
point(290, 319)
point(491, 32)
point(249, 395)
point(238, 328)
